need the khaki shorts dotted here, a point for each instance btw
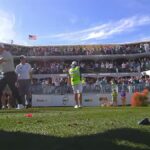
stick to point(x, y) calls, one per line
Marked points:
point(77, 88)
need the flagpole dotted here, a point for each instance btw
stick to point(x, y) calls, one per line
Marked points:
point(12, 42)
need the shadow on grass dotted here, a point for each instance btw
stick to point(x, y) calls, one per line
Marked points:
point(130, 139)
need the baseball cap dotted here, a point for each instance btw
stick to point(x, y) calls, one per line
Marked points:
point(22, 56)
point(74, 63)
point(2, 45)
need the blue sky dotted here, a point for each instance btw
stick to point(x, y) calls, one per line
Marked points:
point(74, 21)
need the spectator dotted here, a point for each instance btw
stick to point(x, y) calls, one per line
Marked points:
point(123, 97)
point(146, 47)
point(24, 72)
point(7, 99)
point(10, 77)
point(114, 97)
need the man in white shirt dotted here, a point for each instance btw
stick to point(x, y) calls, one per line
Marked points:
point(24, 70)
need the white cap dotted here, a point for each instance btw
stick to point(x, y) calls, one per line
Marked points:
point(2, 45)
point(74, 63)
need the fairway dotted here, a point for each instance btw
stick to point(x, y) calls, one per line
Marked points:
point(66, 128)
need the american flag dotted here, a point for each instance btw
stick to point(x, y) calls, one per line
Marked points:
point(32, 37)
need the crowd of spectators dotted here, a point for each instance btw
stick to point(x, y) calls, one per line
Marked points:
point(117, 66)
point(80, 49)
point(91, 85)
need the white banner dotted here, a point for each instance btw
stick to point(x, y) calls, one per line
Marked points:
point(68, 100)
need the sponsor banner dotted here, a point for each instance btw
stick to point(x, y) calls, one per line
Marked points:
point(68, 100)
point(52, 100)
point(90, 100)
point(108, 97)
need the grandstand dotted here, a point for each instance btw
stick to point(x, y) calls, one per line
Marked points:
point(99, 63)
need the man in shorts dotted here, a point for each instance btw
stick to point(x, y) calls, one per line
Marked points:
point(76, 83)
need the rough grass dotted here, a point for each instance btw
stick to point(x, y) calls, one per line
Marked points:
point(66, 128)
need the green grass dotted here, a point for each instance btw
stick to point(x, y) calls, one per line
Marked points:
point(66, 128)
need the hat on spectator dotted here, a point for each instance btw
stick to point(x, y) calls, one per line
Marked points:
point(2, 45)
point(22, 56)
point(74, 63)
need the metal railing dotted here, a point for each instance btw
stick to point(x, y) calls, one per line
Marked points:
point(89, 88)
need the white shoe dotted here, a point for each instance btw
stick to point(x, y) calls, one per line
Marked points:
point(20, 106)
point(76, 106)
point(3, 107)
point(80, 106)
point(9, 106)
